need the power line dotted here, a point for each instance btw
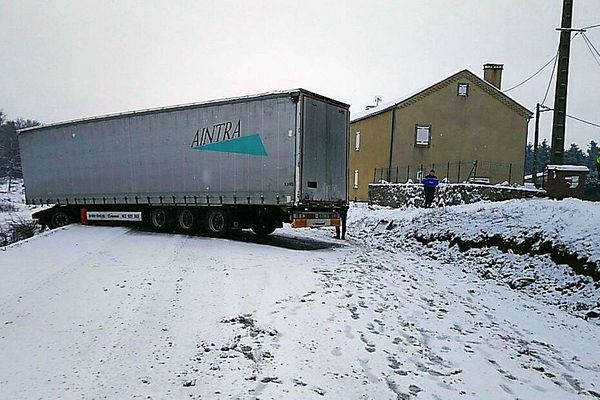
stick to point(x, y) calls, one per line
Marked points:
point(590, 47)
point(588, 40)
point(551, 76)
point(591, 27)
point(555, 58)
point(532, 76)
point(546, 108)
point(584, 121)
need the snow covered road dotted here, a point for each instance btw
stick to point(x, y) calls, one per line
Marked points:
point(110, 312)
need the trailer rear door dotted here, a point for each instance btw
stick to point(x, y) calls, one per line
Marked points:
point(324, 151)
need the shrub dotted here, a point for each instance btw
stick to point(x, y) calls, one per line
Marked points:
point(7, 207)
point(17, 230)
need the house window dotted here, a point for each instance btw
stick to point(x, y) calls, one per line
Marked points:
point(357, 141)
point(463, 89)
point(355, 179)
point(423, 135)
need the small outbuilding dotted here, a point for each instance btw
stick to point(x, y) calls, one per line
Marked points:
point(566, 180)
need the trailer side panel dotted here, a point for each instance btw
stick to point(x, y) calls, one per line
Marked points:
point(237, 152)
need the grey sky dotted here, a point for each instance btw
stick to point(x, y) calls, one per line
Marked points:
point(68, 59)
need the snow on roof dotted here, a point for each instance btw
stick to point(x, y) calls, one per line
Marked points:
point(464, 73)
point(574, 168)
point(384, 106)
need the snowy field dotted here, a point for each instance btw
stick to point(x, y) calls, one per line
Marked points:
point(113, 312)
point(12, 203)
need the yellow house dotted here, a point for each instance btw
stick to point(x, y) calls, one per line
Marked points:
point(464, 127)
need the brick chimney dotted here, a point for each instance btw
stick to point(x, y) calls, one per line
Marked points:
point(492, 74)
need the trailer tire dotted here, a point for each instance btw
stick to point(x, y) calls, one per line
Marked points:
point(187, 221)
point(217, 223)
point(159, 219)
point(59, 219)
point(264, 228)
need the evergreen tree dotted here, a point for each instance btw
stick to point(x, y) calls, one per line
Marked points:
point(592, 153)
point(529, 159)
point(543, 155)
point(592, 183)
point(574, 156)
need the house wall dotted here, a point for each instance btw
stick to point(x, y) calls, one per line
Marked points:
point(374, 152)
point(475, 127)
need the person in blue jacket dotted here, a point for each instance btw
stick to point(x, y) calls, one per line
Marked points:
point(430, 182)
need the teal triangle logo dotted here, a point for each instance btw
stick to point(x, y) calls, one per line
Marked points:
point(249, 144)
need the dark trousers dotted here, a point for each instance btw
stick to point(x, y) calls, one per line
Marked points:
point(343, 214)
point(429, 195)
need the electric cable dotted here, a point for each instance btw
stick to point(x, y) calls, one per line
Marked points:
point(532, 76)
point(583, 121)
point(591, 46)
point(551, 77)
point(590, 27)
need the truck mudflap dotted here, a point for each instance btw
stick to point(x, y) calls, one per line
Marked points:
point(315, 219)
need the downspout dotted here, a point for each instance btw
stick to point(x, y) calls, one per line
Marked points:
point(389, 174)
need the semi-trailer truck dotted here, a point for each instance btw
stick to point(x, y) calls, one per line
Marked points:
point(248, 162)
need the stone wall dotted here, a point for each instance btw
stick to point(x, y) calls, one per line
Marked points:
point(447, 194)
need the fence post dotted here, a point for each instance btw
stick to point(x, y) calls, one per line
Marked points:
point(475, 171)
point(448, 172)
point(407, 172)
point(374, 175)
point(458, 174)
point(509, 173)
point(543, 178)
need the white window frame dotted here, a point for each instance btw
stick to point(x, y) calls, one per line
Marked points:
point(356, 179)
point(418, 129)
point(357, 141)
point(466, 91)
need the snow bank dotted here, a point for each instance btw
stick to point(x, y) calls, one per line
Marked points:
point(548, 248)
point(14, 213)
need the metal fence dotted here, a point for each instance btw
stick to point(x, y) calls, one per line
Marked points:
point(455, 172)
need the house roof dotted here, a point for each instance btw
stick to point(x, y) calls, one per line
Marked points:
point(415, 96)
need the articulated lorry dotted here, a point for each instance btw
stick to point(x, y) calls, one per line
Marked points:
point(248, 162)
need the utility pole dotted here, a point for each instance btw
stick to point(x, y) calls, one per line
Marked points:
point(539, 108)
point(535, 143)
point(562, 78)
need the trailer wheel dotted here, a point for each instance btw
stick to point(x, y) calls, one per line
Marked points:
point(264, 228)
point(186, 221)
point(58, 219)
point(217, 223)
point(159, 219)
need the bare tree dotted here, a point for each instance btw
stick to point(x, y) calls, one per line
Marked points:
point(10, 157)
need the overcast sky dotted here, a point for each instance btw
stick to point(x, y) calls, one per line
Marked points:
point(67, 59)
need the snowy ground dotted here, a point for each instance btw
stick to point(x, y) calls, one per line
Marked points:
point(533, 234)
point(113, 312)
point(12, 203)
